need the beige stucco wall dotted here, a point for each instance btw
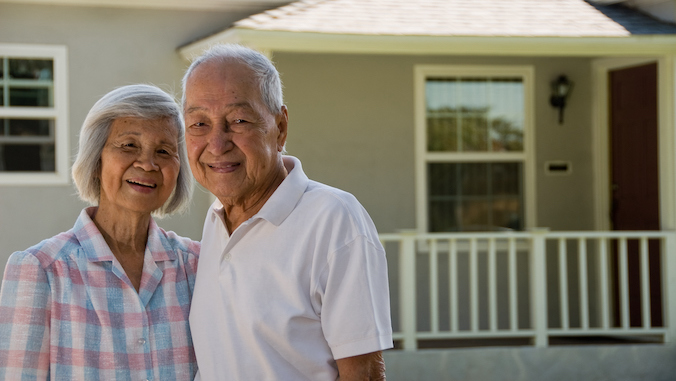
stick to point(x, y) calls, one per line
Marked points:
point(106, 48)
point(352, 125)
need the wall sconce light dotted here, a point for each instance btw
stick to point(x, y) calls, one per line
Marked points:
point(561, 88)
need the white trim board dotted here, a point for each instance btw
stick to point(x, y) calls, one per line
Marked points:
point(436, 45)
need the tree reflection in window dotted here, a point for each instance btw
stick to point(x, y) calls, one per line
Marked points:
point(474, 114)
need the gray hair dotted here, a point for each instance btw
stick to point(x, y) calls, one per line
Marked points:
point(267, 76)
point(136, 101)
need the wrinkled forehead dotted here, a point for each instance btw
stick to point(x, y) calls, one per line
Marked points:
point(226, 70)
point(214, 79)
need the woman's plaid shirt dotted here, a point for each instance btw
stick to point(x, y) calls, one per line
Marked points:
point(69, 312)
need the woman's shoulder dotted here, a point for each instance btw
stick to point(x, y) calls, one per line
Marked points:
point(49, 250)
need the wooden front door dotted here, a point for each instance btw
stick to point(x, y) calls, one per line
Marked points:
point(635, 178)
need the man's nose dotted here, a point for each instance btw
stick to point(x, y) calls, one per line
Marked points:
point(220, 142)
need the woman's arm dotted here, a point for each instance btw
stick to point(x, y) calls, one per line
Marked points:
point(24, 319)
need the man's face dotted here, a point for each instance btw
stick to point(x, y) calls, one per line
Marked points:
point(234, 142)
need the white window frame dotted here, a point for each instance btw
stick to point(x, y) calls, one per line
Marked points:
point(422, 156)
point(59, 113)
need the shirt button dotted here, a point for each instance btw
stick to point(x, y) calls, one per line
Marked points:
point(228, 256)
point(141, 341)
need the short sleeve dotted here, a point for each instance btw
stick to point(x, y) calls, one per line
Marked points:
point(24, 319)
point(355, 311)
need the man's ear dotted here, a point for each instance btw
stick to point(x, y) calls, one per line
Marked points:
point(282, 120)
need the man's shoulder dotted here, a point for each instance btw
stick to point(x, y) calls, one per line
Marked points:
point(336, 207)
point(330, 197)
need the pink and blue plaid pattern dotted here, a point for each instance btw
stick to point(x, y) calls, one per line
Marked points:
point(69, 312)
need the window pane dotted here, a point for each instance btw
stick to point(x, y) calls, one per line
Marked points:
point(506, 178)
point(30, 96)
point(507, 212)
point(30, 69)
point(474, 179)
point(27, 157)
point(2, 96)
point(442, 133)
point(475, 196)
point(442, 179)
point(474, 114)
point(476, 215)
point(30, 127)
point(506, 114)
point(442, 216)
point(442, 114)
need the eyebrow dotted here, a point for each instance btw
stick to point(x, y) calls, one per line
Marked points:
point(135, 133)
point(229, 106)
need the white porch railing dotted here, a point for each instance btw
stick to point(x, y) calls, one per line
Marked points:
point(535, 285)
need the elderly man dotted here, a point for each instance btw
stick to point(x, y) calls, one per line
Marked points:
point(292, 280)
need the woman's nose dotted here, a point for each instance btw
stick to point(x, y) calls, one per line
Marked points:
point(146, 161)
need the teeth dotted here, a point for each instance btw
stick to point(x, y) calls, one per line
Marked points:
point(142, 184)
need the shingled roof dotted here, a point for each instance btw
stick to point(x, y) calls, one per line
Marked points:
point(499, 18)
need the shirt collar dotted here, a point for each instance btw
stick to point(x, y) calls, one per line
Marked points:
point(97, 249)
point(283, 200)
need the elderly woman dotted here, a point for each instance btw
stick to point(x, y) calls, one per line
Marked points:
point(109, 299)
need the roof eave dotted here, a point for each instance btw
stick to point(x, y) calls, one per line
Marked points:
point(304, 42)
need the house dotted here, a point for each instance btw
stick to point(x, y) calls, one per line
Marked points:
point(517, 157)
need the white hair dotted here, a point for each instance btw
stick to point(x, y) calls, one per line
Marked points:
point(267, 76)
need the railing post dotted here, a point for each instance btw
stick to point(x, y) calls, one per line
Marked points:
point(669, 285)
point(538, 286)
point(408, 287)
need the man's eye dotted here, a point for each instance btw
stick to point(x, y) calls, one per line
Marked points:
point(197, 128)
point(238, 121)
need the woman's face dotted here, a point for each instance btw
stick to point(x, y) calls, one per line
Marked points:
point(139, 165)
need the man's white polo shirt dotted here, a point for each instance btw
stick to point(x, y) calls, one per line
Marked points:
point(300, 284)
